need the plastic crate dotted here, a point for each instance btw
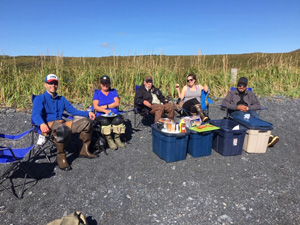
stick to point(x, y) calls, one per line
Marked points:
point(168, 146)
point(256, 141)
point(226, 141)
point(257, 135)
point(200, 144)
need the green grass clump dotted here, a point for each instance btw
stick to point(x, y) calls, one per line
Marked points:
point(268, 74)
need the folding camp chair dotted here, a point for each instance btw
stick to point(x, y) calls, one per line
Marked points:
point(138, 112)
point(16, 158)
point(224, 108)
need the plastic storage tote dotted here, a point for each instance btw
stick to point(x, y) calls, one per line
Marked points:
point(257, 135)
point(200, 141)
point(170, 147)
point(226, 141)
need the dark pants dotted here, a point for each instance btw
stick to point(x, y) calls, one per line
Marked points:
point(189, 105)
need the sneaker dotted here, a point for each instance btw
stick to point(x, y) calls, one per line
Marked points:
point(270, 138)
point(274, 141)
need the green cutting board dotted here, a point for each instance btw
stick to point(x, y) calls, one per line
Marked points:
point(204, 129)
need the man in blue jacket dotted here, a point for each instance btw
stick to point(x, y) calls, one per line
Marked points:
point(47, 113)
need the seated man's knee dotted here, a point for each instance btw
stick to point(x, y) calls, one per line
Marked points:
point(80, 124)
point(61, 134)
point(168, 106)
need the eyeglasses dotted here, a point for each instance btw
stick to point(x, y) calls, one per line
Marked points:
point(188, 80)
point(242, 85)
point(53, 82)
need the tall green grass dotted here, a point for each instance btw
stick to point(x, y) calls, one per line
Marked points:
point(268, 74)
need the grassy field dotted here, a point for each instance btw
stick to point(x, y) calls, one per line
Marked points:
point(268, 74)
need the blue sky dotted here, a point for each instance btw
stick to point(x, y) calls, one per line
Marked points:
point(170, 27)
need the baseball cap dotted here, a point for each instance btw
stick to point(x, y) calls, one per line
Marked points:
point(51, 77)
point(148, 78)
point(243, 80)
point(104, 79)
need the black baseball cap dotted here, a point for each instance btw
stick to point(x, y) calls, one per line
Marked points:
point(104, 79)
point(148, 79)
point(243, 80)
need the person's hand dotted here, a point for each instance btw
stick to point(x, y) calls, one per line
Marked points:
point(44, 128)
point(166, 100)
point(243, 108)
point(177, 87)
point(146, 103)
point(205, 88)
point(106, 111)
point(92, 115)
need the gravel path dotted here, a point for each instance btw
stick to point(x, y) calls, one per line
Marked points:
point(134, 186)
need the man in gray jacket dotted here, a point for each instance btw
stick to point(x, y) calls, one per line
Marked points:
point(242, 101)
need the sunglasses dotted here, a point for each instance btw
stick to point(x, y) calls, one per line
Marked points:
point(188, 80)
point(242, 85)
point(53, 82)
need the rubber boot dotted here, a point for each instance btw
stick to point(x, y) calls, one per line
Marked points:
point(85, 139)
point(200, 112)
point(61, 157)
point(110, 142)
point(118, 141)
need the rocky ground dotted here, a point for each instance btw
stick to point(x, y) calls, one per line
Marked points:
point(134, 186)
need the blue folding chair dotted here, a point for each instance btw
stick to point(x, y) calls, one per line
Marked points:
point(16, 158)
point(224, 108)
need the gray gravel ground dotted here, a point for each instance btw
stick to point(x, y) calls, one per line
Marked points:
point(134, 186)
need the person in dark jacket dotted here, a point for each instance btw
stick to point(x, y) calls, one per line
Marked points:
point(241, 101)
point(149, 99)
point(47, 112)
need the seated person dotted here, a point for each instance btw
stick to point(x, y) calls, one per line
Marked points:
point(47, 113)
point(241, 101)
point(191, 94)
point(149, 99)
point(106, 101)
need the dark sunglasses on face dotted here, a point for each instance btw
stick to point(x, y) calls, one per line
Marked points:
point(53, 82)
point(188, 80)
point(242, 85)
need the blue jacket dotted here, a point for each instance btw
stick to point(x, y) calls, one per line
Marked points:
point(46, 109)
